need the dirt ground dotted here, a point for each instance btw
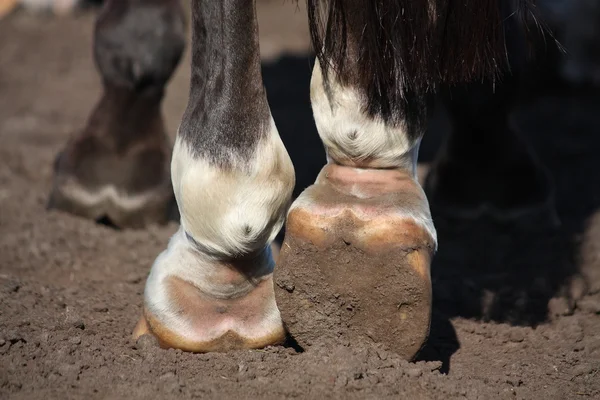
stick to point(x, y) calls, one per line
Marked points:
point(516, 313)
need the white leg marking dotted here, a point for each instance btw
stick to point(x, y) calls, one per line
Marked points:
point(107, 194)
point(181, 259)
point(59, 6)
point(238, 211)
point(351, 137)
point(228, 214)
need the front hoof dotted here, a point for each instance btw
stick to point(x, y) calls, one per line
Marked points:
point(199, 304)
point(358, 268)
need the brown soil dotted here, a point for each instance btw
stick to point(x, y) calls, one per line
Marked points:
point(516, 309)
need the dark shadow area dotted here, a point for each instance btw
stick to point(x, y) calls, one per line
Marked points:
point(106, 221)
point(442, 343)
point(504, 272)
point(174, 215)
point(509, 272)
point(287, 81)
point(292, 343)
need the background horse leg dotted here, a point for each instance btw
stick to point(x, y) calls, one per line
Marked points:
point(484, 167)
point(117, 166)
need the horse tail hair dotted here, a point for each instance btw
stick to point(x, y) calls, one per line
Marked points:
point(403, 47)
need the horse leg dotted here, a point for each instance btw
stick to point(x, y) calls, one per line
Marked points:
point(117, 166)
point(359, 242)
point(484, 167)
point(355, 260)
point(212, 288)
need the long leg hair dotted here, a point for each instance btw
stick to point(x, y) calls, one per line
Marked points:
point(403, 48)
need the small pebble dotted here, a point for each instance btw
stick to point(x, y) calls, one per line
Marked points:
point(435, 365)
point(68, 370)
point(589, 305)
point(286, 285)
point(583, 369)
point(168, 375)
point(75, 340)
point(14, 336)
point(289, 287)
point(100, 308)
point(516, 336)
point(382, 354)
point(560, 306)
point(133, 278)
point(75, 321)
point(146, 342)
point(414, 372)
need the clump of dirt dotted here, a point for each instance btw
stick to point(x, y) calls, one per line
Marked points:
point(516, 312)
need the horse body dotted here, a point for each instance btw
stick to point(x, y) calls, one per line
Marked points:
point(362, 232)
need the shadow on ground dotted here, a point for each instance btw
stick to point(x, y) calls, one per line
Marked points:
point(514, 273)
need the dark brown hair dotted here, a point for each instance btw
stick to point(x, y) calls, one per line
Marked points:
point(404, 48)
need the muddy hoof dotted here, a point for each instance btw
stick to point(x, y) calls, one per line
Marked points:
point(199, 303)
point(355, 261)
point(131, 189)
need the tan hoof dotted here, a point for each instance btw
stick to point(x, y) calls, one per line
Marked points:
point(7, 6)
point(204, 304)
point(228, 341)
point(215, 324)
point(357, 267)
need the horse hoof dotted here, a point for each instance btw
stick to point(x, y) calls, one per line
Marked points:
point(201, 304)
point(355, 261)
point(131, 189)
point(7, 6)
